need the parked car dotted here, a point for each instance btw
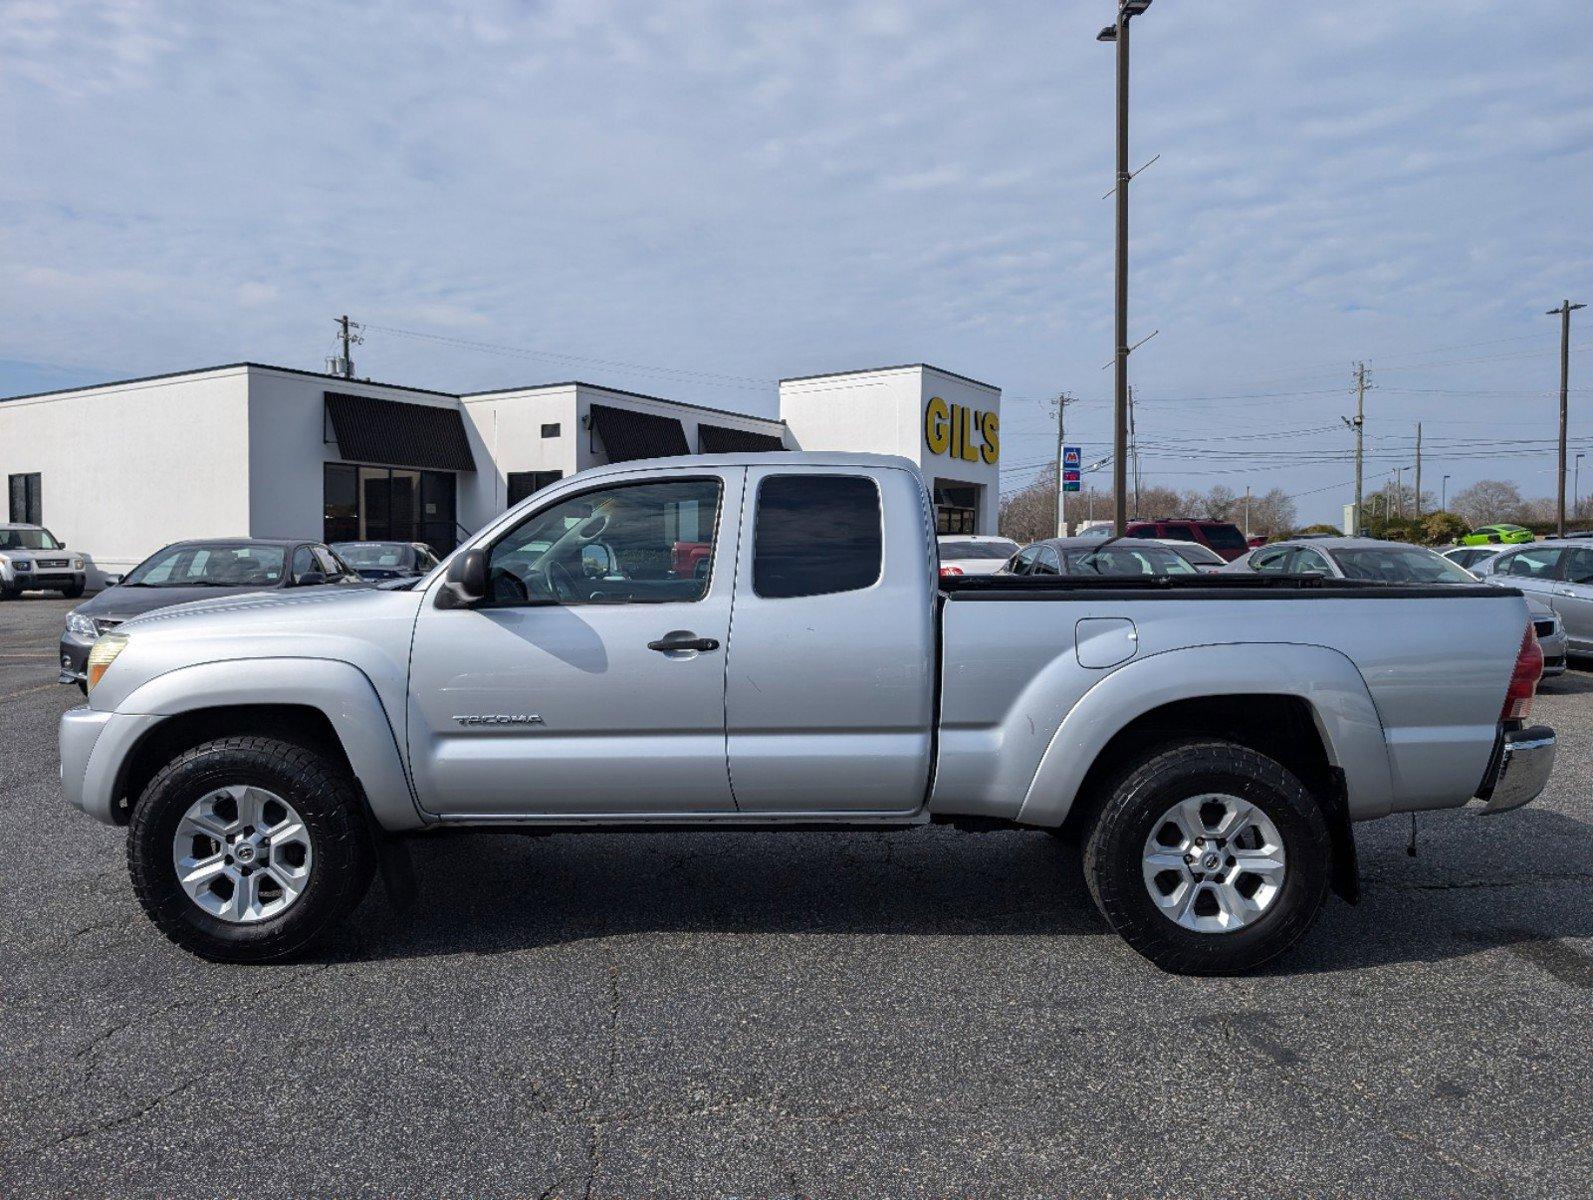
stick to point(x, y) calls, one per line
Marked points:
point(1558, 572)
point(1472, 557)
point(197, 570)
point(1256, 539)
point(1093, 556)
point(1371, 560)
point(970, 554)
point(1509, 535)
point(34, 559)
point(1222, 537)
point(386, 560)
point(1202, 558)
point(1211, 738)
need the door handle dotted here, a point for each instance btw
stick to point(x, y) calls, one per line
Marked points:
point(682, 639)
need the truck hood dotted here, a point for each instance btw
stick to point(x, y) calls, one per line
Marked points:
point(280, 609)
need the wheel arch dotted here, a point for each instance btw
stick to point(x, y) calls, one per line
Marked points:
point(1307, 706)
point(326, 704)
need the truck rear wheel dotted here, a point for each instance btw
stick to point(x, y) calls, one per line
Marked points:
point(248, 849)
point(1209, 858)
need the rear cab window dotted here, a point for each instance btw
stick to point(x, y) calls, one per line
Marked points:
point(816, 535)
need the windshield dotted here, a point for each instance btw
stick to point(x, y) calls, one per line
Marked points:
point(1196, 553)
point(1401, 564)
point(1224, 537)
point(994, 548)
point(372, 554)
point(199, 565)
point(27, 539)
point(1126, 559)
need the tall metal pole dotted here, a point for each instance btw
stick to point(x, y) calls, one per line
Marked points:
point(1120, 371)
point(1443, 494)
point(1418, 470)
point(1247, 510)
point(1062, 401)
point(1576, 487)
point(1564, 311)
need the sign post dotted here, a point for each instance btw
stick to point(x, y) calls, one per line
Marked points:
point(1071, 460)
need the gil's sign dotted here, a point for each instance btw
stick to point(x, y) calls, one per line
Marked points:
point(961, 432)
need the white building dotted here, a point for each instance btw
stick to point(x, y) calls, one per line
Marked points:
point(120, 469)
point(948, 424)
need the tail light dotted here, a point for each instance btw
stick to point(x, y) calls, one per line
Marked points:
point(951, 570)
point(1524, 678)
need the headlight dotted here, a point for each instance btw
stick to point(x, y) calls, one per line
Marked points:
point(80, 626)
point(77, 564)
point(22, 564)
point(103, 655)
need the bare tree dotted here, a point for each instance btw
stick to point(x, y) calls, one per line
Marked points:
point(1488, 501)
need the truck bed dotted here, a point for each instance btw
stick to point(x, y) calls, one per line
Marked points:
point(1405, 683)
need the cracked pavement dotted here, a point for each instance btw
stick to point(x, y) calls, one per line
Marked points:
point(782, 1014)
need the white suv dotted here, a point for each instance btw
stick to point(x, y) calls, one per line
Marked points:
point(31, 559)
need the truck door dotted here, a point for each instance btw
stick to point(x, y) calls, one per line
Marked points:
point(591, 681)
point(830, 674)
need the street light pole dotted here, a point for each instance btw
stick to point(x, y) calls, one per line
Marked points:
point(1564, 313)
point(1443, 499)
point(1576, 487)
point(1118, 33)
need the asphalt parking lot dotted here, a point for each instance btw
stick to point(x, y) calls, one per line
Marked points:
point(777, 1015)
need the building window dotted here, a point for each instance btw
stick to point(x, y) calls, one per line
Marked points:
point(27, 499)
point(525, 483)
point(815, 535)
point(956, 507)
point(550, 430)
point(389, 504)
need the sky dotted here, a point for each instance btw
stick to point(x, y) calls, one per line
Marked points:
point(695, 199)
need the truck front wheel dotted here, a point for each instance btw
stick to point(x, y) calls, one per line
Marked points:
point(1209, 858)
point(247, 849)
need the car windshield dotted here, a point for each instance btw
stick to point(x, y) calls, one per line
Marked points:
point(1196, 553)
point(372, 554)
point(27, 539)
point(196, 564)
point(994, 548)
point(1224, 536)
point(1125, 559)
point(1400, 564)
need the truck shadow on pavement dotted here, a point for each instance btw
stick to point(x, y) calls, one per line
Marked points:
point(1520, 882)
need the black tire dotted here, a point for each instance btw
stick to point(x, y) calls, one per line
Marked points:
point(325, 798)
point(1137, 800)
point(72, 592)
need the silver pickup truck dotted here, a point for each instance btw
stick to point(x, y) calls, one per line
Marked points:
point(764, 640)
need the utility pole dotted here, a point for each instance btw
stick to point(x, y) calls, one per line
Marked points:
point(1247, 511)
point(1564, 313)
point(1576, 488)
point(1061, 403)
point(1418, 470)
point(1133, 448)
point(1357, 425)
point(1399, 492)
point(1118, 33)
point(1443, 495)
point(344, 365)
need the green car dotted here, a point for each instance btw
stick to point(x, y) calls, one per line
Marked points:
point(1493, 535)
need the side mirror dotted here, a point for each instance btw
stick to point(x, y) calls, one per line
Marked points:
point(467, 579)
point(309, 578)
point(62, 545)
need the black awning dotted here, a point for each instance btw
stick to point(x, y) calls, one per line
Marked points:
point(628, 434)
point(397, 433)
point(721, 439)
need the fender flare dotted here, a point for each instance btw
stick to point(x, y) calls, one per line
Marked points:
point(338, 690)
point(1326, 679)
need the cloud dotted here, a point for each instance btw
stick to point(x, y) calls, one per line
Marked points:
point(773, 189)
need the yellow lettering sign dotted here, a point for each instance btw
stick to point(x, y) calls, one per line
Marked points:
point(961, 432)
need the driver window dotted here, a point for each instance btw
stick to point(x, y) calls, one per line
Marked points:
point(644, 543)
point(1272, 560)
point(303, 563)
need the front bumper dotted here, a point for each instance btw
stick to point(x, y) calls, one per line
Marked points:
point(1526, 756)
point(73, 653)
